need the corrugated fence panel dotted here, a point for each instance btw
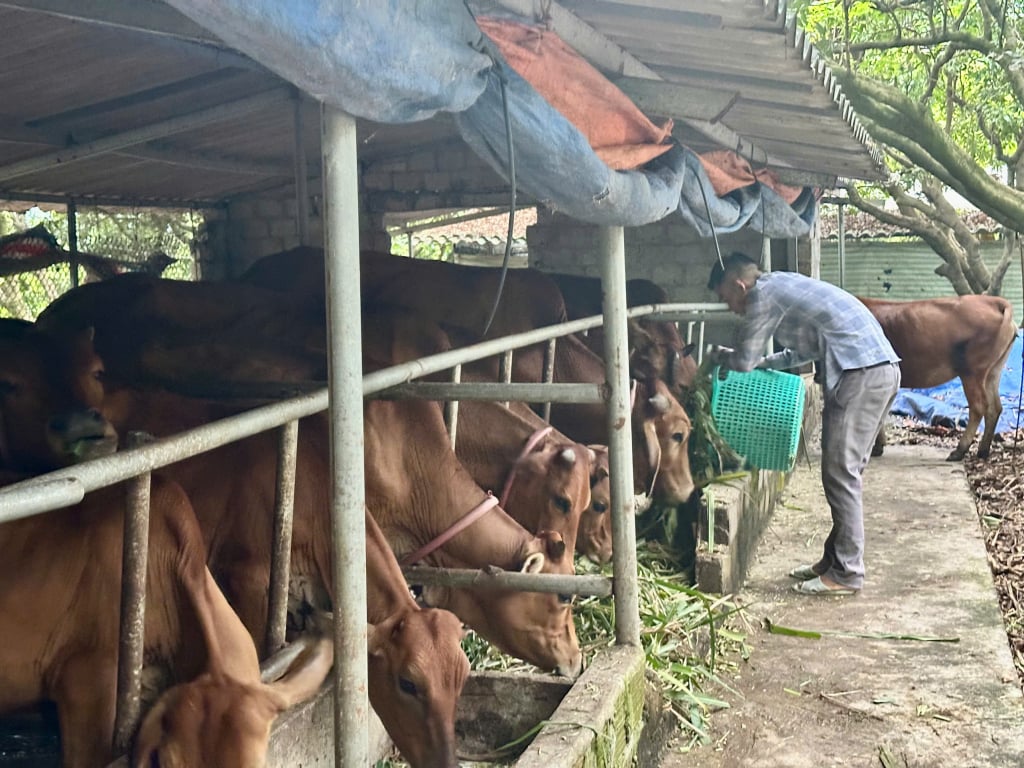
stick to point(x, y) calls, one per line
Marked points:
point(906, 271)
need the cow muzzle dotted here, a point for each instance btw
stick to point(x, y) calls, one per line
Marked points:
point(80, 435)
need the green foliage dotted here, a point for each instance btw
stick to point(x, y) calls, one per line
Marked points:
point(950, 58)
point(688, 637)
point(710, 456)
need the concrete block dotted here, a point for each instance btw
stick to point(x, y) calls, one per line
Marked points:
point(609, 699)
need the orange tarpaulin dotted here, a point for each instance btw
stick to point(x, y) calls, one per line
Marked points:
point(620, 134)
point(728, 171)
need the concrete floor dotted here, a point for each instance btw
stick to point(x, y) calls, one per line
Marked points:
point(847, 700)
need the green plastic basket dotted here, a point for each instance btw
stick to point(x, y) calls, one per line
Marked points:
point(759, 414)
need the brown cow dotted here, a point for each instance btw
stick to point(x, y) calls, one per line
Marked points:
point(60, 574)
point(532, 626)
point(416, 489)
point(661, 426)
point(940, 339)
point(48, 417)
point(657, 350)
point(420, 715)
point(530, 299)
point(548, 485)
point(150, 330)
point(594, 539)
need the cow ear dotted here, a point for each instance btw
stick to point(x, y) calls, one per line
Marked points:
point(150, 735)
point(305, 674)
point(534, 563)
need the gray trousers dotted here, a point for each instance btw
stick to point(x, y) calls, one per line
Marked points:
point(853, 413)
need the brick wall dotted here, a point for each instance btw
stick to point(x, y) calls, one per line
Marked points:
point(668, 252)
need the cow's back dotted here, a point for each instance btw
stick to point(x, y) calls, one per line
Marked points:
point(942, 338)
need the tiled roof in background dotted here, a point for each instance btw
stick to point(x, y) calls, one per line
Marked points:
point(860, 225)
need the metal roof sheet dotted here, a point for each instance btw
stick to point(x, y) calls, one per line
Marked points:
point(127, 101)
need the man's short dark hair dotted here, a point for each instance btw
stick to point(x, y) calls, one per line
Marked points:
point(730, 263)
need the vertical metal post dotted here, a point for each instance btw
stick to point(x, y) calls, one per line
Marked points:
point(842, 246)
point(72, 211)
point(815, 268)
point(549, 374)
point(451, 408)
point(506, 370)
point(281, 553)
point(301, 173)
point(611, 247)
point(134, 559)
point(345, 387)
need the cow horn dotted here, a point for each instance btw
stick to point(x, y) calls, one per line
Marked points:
point(568, 455)
point(659, 403)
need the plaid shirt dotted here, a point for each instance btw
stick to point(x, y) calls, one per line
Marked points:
point(814, 321)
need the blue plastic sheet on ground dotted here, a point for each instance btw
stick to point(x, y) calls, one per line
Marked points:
point(946, 404)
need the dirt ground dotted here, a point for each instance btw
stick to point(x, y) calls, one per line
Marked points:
point(916, 671)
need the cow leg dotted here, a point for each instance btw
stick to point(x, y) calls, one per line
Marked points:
point(246, 585)
point(85, 694)
point(993, 410)
point(977, 401)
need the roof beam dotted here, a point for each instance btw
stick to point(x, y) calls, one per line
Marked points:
point(277, 97)
point(17, 133)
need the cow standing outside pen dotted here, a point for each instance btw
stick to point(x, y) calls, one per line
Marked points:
point(817, 321)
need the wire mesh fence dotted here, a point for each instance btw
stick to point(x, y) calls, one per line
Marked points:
point(37, 266)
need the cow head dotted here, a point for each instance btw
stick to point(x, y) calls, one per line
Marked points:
point(416, 672)
point(595, 529)
point(50, 391)
point(552, 489)
point(536, 627)
point(219, 721)
point(663, 428)
point(657, 351)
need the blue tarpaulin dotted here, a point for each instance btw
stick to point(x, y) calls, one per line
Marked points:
point(946, 405)
point(399, 61)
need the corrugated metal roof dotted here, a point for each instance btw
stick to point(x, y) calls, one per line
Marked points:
point(184, 120)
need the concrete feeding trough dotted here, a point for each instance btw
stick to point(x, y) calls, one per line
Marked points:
point(597, 721)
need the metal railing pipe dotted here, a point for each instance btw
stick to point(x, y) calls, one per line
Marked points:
point(132, 631)
point(482, 390)
point(562, 584)
point(67, 486)
point(281, 547)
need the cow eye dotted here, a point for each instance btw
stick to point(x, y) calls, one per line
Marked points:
point(564, 505)
point(678, 437)
point(407, 686)
point(599, 507)
point(566, 599)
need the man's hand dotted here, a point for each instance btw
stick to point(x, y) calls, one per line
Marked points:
point(715, 354)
